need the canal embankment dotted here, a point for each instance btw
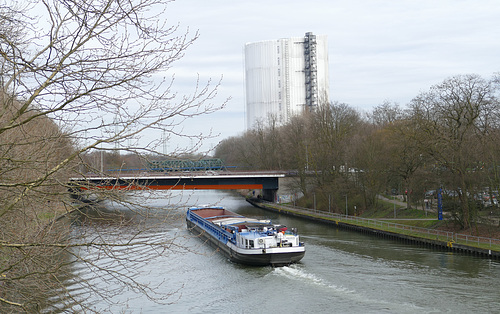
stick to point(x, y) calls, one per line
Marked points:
point(434, 238)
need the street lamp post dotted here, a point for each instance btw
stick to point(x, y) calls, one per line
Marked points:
point(346, 210)
point(394, 207)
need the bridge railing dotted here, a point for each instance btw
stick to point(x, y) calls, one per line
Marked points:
point(441, 235)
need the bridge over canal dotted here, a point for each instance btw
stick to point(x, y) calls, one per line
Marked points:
point(267, 182)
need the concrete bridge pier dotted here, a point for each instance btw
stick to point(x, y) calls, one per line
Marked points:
point(270, 195)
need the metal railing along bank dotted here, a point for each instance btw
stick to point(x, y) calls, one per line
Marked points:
point(441, 235)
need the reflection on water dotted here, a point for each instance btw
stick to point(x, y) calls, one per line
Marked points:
point(168, 270)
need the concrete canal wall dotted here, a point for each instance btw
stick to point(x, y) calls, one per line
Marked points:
point(410, 239)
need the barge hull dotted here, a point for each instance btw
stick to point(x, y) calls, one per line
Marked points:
point(260, 259)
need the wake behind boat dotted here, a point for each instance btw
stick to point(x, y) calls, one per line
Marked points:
point(246, 240)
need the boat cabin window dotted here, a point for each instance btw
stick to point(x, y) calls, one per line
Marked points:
point(247, 243)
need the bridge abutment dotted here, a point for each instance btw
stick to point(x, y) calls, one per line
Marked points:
point(270, 195)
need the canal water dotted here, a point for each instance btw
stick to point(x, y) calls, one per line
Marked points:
point(342, 271)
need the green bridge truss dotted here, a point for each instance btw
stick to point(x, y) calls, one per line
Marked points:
point(186, 165)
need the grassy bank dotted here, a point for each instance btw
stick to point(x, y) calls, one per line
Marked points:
point(409, 224)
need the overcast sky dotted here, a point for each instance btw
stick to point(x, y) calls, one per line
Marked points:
point(378, 49)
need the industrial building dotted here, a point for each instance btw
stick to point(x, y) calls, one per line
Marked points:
point(284, 77)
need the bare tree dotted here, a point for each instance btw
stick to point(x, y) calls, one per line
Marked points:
point(371, 154)
point(295, 136)
point(332, 127)
point(78, 76)
point(386, 113)
point(266, 144)
point(452, 122)
point(406, 157)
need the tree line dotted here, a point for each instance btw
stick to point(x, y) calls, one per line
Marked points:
point(446, 137)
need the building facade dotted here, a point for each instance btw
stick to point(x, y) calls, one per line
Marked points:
point(284, 77)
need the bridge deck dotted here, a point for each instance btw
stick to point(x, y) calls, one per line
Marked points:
point(180, 181)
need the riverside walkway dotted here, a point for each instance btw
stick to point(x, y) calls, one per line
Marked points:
point(480, 246)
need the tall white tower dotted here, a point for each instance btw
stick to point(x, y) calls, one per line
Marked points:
point(285, 77)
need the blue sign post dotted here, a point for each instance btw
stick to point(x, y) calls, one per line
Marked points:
point(440, 204)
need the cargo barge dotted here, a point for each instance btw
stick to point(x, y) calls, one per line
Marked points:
point(246, 240)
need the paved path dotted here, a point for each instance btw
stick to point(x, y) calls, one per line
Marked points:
point(394, 201)
point(405, 218)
